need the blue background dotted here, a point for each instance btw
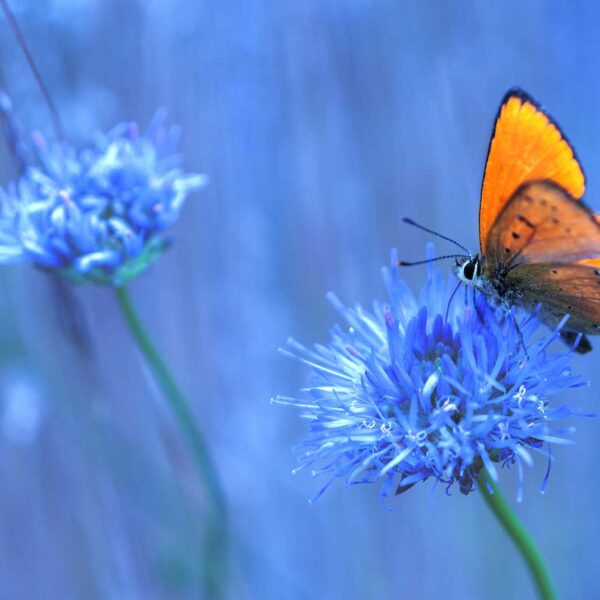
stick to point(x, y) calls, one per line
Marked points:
point(321, 124)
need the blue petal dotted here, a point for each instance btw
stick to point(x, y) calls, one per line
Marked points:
point(405, 394)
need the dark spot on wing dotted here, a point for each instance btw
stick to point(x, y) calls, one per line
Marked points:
point(568, 230)
point(555, 221)
point(543, 201)
point(528, 198)
point(525, 220)
point(507, 250)
point(554, 271)
point(516, 235)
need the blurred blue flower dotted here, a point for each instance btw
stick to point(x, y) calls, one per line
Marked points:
point(404, 395)
point(98, 215)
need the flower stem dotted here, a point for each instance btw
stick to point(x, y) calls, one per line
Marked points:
point(516, 530)
point(215, 546)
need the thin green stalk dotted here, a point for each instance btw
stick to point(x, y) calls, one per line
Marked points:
point(516, 530)
point(216, 544)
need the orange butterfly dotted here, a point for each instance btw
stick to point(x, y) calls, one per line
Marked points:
point(539, 243)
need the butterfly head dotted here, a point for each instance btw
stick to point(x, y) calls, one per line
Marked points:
point(469, 270)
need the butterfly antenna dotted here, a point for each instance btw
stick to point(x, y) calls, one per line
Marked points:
point(405, 263)
point(411, 222)
point(14, 25)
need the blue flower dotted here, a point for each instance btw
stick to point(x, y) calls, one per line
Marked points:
point(404, 395)
point(101, 214)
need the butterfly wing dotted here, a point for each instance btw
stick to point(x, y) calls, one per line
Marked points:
point(541, 223)
point(526, 145)
point(561, 289)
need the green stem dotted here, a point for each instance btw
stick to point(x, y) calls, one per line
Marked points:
point(216, 546)
point(516, 530)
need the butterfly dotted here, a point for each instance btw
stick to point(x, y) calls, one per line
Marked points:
point(539, 243)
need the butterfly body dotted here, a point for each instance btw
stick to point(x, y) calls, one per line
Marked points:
point(474, 272)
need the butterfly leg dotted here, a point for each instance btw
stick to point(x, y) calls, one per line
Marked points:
point(480, 315)
point(450, 301)
point(520, 334)
point(583, 347)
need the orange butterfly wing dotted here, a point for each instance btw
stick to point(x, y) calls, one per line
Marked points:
point(526, 145)
point(548, 246)
point(561, 289)
point(542, 223)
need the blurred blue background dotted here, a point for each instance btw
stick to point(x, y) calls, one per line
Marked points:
point(321, 124)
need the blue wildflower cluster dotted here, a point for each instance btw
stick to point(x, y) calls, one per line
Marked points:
point(98, 215)
point(404, 394)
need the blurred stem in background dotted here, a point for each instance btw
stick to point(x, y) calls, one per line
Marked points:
point(517, 532)
point(216, 543)
point(14, 25)
point(216, 546)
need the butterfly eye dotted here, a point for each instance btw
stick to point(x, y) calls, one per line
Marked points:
point(469, 270)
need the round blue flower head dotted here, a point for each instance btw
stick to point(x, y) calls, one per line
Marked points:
point(405, 394)
point(98, 215)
